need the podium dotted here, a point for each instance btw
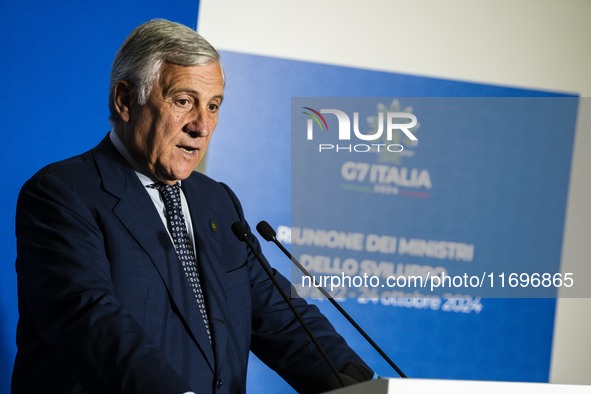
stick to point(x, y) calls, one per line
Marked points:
point(438, 386)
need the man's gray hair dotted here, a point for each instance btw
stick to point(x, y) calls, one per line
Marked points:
point(151, 44)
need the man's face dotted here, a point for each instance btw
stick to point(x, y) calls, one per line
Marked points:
point(168, 135)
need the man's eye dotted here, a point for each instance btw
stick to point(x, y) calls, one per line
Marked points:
point(213, 107)
point(183, 102)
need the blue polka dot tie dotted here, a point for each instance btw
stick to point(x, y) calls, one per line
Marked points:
point(171, 195)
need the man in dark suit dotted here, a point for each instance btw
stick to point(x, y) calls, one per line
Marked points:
point(129, 284)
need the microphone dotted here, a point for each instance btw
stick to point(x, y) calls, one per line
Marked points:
point(267, 232)
point(242, 233)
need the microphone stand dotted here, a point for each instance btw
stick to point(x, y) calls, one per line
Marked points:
point(269, 234)
point(241, 232)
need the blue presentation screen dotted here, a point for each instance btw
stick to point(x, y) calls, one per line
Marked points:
point(481, 191)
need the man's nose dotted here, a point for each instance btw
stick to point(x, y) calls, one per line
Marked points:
point(199, 124)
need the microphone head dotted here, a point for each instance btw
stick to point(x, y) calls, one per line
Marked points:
point(266, 231)
point(240, 231)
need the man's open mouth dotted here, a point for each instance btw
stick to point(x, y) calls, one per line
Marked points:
point(188, 149)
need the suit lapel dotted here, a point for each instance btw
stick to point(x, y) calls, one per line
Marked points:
point(136, 212)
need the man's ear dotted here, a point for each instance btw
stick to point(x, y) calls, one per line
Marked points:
point(123, 100)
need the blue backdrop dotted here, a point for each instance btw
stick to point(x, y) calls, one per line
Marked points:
point(508, 339)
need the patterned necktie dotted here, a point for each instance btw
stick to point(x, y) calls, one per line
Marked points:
point(171, 194)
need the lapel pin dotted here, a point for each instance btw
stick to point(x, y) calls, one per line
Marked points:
point(213, 226)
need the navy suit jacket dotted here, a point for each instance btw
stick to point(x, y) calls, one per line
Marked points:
point(105, 307)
